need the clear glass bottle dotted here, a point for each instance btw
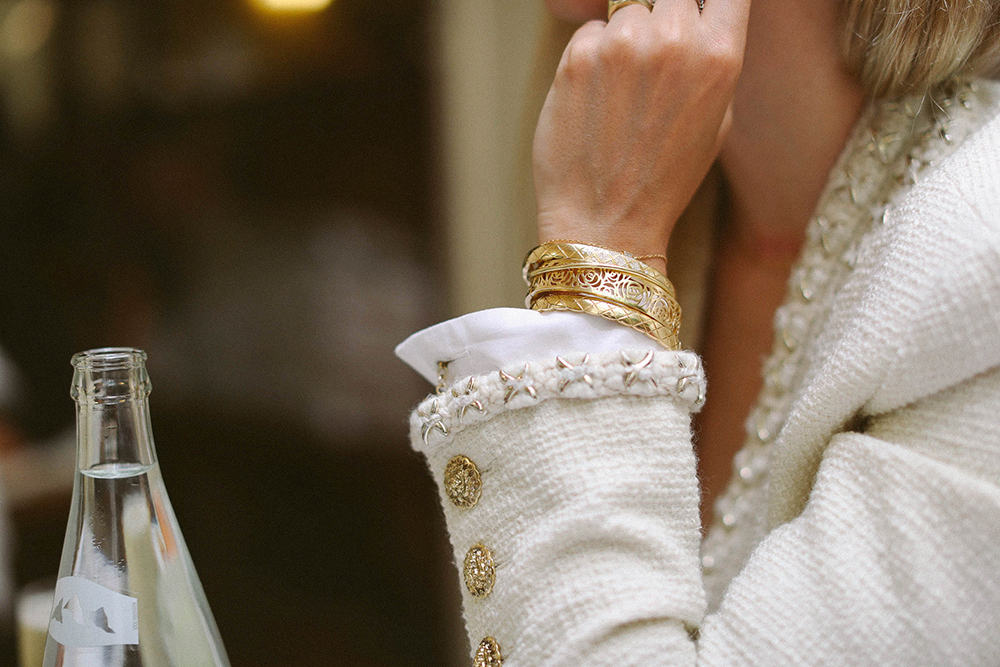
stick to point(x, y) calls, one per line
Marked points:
point(127, 592)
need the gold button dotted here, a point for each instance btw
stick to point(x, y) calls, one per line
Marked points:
point(488, 654)
point(462, 482)
point(479, 571)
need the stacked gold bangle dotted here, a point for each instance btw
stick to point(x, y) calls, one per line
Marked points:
point(563, 275)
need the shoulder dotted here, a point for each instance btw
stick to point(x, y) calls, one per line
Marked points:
point(961, 195)
point(933, 266)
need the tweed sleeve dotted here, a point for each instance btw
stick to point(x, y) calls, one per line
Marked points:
point(571, 497)
point(585, 500)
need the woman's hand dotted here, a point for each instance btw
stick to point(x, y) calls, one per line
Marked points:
point(633, 121)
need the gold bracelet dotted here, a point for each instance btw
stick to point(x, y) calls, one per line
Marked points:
point(564, 275)
point(598, 245)
point(612, 285)
point(591, 254)
point(654, 282)
point(663, 257)
point(609, 311)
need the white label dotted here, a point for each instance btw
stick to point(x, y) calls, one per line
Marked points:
point(88, 614)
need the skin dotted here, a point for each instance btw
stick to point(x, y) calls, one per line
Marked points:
point(640, 108)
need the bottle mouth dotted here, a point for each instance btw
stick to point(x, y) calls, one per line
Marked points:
point(108, 359)
point(109, 375)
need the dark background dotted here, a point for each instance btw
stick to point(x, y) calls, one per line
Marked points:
point(252, 197)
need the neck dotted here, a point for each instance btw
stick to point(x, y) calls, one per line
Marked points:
point(793, 110)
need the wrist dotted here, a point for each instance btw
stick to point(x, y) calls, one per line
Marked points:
point(640, 241)
point(656, 260)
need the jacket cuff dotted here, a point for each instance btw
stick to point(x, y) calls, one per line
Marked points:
point(476, 399)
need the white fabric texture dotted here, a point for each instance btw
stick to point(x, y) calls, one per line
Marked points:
point(481, 342)
point(875, 537)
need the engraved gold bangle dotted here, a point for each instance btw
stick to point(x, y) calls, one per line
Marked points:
point(626, 316)
point(663, 330)
point(592, 255)
point(613, 286)
point(564, 275)
point(598, 245)
point(543, 269)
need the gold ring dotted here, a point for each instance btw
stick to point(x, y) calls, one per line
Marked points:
point(615, 5)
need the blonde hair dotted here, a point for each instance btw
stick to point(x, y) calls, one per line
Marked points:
point(903, 46)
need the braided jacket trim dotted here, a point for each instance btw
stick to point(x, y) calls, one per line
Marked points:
point(476, 399)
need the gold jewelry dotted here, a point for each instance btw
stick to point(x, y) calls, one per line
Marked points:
point(563, 275)
point(662, 334)
point(624, 252)
point(615, 287)
point(615, 5)
point(591, 254)
point(663, 257)
point(638, 288)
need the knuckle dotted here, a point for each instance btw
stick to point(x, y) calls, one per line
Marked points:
point(581, 54)
point(672, 37)
point(625, 43)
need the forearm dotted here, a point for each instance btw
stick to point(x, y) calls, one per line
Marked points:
point(589, 504)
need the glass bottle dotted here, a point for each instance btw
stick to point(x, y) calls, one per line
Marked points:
point(127, 593)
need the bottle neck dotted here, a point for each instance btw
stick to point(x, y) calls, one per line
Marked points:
point(111, 389)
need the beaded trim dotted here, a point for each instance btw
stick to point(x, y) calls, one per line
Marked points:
point(892, 146)
point(639, 373)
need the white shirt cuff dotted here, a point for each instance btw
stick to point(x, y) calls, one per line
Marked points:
point(487, 340)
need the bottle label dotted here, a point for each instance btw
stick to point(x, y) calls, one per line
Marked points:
point(88, 614)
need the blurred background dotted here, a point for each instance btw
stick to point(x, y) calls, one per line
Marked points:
point(267, 196)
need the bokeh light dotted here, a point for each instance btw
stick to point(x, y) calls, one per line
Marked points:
point(296, 6)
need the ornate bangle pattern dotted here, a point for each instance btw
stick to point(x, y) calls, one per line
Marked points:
point(597, 281)
point(610, 285)
point(591, 255)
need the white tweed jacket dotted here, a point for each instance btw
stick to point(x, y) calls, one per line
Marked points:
point(862, 526)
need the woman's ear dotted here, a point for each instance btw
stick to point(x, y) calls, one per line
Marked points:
point(578, 10)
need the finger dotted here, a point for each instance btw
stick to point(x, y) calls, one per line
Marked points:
point(628, 13)
point(585, 37)
point(676, 10)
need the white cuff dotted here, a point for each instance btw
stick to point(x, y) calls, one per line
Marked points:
point(487, 340)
